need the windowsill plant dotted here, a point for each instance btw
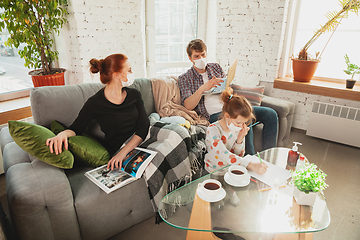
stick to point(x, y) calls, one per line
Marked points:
point(308, 180)
point(351, 70)
point(304, 66)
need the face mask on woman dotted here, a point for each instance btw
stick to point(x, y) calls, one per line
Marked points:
point(200, 63)
point(130, 80)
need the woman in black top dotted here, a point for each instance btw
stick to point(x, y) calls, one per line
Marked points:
point(119, 111)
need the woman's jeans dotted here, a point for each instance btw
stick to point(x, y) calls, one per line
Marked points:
point(266, 116)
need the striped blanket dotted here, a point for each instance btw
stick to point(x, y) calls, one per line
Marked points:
point(180, 153)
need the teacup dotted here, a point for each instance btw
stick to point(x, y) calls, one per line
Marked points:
point(238, 173)
point(211, 187)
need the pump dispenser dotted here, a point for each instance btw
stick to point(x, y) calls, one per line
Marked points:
point(293, 155)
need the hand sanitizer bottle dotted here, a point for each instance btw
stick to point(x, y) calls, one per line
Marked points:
point(300, 163)
point(293, 155)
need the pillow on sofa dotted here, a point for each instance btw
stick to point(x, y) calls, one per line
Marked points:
point(88, 150)
point(32, 139)
point(84, 148)
point(254, 94)
point(57, 127)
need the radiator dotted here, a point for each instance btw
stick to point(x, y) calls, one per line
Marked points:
point(335, 123)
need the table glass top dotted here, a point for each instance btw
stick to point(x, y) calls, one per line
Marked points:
point(251, 209)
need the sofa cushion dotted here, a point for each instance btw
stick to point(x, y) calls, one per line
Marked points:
point(84, 148)
point(144, 86)
point(253, 94)
point(32, 139)
point(102, 215)
point(62, 103)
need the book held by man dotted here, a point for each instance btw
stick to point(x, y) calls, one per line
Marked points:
point(133, 166)
point(226, 81)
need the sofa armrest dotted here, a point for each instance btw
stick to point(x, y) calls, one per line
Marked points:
point(285, 111)
point(5, 137)
point(40, 199)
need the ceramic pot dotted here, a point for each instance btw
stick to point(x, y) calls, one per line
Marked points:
point(350, 83)
point(302, 198)
point(48, 80)
point(304, 70)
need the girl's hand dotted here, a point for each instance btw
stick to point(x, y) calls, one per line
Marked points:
point(259, 168)
point(243, 132)
point(116, 161)
point(55, 143)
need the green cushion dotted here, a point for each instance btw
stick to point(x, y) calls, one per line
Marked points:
point(57, 127)
point(32, 139)
point(88, 151)
point(84, 148)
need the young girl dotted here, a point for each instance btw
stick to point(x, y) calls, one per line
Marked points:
point(225, 138)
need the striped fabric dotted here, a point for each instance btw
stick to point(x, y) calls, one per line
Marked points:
point(253, 94)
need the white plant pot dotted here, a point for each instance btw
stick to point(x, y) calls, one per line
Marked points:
point(303, 198)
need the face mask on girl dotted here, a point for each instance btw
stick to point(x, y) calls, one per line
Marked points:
point(130, 80)
point(233, 128)
point(200, 63)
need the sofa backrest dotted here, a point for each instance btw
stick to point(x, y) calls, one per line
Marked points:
point(144, 86)
point(63, 103)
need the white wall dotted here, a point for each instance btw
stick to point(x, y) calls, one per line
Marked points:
point(250, 29)
point(254, 31)
point(303, 103)
point(96, 29)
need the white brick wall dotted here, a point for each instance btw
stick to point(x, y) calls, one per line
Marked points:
point(250, 29)
point(97, 29)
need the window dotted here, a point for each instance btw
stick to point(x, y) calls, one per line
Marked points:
point(170, 26)
point(14, 79)
point(310, 14)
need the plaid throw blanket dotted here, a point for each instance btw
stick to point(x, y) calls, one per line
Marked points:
point(180, 153)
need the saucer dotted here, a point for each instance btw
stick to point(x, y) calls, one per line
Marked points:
point(231, 182)
point(208, 198)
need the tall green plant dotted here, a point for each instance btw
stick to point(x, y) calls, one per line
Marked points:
point(33, 22)
point(334, 19)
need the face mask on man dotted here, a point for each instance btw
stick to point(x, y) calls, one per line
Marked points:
point(130, 80)
point(200, 63)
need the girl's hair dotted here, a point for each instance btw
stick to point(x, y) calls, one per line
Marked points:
point(236, 105)
point(107, 66)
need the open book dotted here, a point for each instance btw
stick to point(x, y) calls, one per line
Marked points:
point(226, 81)
point(132, 168)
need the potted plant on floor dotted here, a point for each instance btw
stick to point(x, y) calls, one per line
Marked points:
point(304, 66)
point(33, 23)
point(351, 70)
point(308, 181)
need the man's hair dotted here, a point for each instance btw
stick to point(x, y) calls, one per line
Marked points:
point(197, 44)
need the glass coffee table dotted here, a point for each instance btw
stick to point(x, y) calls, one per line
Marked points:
point(254, 211)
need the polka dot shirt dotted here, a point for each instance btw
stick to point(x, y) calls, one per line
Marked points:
point(222, 148)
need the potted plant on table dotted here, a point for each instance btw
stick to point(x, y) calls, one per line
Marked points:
point(351, 70)
point(33, 22)
point(308, 181)
point(304, 66)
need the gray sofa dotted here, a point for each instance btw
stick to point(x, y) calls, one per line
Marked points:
point(46, 202)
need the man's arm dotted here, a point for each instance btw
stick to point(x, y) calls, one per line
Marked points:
point(191, 102)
